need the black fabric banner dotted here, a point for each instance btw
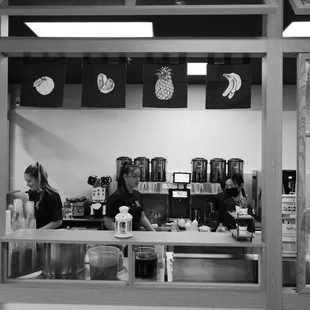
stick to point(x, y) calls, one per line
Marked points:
point(42, 83)
point(104, 85)
point(228, 86)
point(165, 86)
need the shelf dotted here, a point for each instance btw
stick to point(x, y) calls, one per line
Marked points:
point(192, 194)
point(138, 238)
point(83, 219)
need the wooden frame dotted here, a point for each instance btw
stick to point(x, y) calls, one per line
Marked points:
point(270, 48)
point(4, 134)
point(303, 122)
point(254, 292)
point(272, 102)
point(130, 9)
point(63, 47)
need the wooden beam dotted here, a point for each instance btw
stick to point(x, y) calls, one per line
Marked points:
point(4, 144)
point(20, 47)
point(294, 46)
point(272, 106)
point(102, 294)
point(260, 9)
point(302, 82)
point(4, 129)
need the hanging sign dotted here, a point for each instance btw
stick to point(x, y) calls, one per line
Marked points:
point(228, 86)
point(42, 83)
point(165, 86)
point(104, 85)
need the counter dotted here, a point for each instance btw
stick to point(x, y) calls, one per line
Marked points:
point(138, 238)
point(131, 291)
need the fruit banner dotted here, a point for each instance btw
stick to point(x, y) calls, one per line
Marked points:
point(228, 86)
point(42, 83)
point(165, 86)
point(104, 85)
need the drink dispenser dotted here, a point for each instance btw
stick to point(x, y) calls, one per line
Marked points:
point(119, 162)
point(217, 170)
point(158, 172)
point(199, 170)
point(235, 165)
point(144, 164)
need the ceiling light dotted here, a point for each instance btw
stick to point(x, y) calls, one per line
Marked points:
point(92, 30)
point(297, 29)
point(196, 68)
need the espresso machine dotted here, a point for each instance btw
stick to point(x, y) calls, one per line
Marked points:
point(179, 198)
point(100, 192)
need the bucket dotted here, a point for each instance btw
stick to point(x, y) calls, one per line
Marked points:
point(103, 262)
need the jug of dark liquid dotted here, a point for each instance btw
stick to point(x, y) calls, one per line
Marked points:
point(145, 262)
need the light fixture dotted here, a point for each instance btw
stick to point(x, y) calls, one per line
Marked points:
point(197, 68)
point(297, 30)
point(92, 29)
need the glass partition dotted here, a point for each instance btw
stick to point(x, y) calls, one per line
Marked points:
point(181, 258)
point(63, 261)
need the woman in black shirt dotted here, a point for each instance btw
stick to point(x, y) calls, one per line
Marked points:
point(233, 195)
point(48, 205)
point(126, 195)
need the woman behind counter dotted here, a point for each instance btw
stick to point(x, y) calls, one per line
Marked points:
point(233, 195)
point(48, 205)
point(126, 195)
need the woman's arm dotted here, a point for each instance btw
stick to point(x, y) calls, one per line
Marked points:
point(109, 223)
point(145, 222)
point(52, 225)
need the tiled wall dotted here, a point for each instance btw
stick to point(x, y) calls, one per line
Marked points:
point(92, 307)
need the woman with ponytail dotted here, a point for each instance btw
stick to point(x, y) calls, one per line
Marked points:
point(48, 205)
point(126, 195)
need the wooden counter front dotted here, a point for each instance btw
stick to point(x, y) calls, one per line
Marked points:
point(138, 238)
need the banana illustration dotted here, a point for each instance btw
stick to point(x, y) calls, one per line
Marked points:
point(230, 85)
point(234, 85)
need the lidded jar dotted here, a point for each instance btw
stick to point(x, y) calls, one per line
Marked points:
point(123, 223)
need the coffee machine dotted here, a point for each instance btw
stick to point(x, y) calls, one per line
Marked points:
point(179, 198)
point(100, 192)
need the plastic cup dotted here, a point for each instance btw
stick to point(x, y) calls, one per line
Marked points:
point(103, 262)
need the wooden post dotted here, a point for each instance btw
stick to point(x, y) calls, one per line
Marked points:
point(301, 170)
point(272, 102)
point(4, 127)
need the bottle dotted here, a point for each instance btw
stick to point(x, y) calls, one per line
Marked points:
point(155, 218)
point(195, 225)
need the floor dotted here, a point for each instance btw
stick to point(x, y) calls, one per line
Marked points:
point(92, 307)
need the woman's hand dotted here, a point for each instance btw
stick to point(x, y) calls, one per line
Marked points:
point(109, 223)
point(146, 223)
point(52, 225)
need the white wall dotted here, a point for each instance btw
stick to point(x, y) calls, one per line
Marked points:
point(73, 143)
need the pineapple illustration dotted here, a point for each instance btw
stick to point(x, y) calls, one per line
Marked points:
point(164, 88)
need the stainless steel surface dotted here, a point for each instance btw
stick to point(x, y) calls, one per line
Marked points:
point(199, 170)
point(119, 162)
point(144, 164)
point(158, 169)
point(235, 165)
point(60, 261)
point(215, 268)
point(217, 170)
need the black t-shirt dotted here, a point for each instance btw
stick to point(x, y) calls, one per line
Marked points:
point(48, 210)
point(121, 197)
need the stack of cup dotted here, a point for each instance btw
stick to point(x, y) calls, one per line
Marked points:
point(8, 224)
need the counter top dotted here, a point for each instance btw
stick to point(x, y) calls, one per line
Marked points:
point(138, 238)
